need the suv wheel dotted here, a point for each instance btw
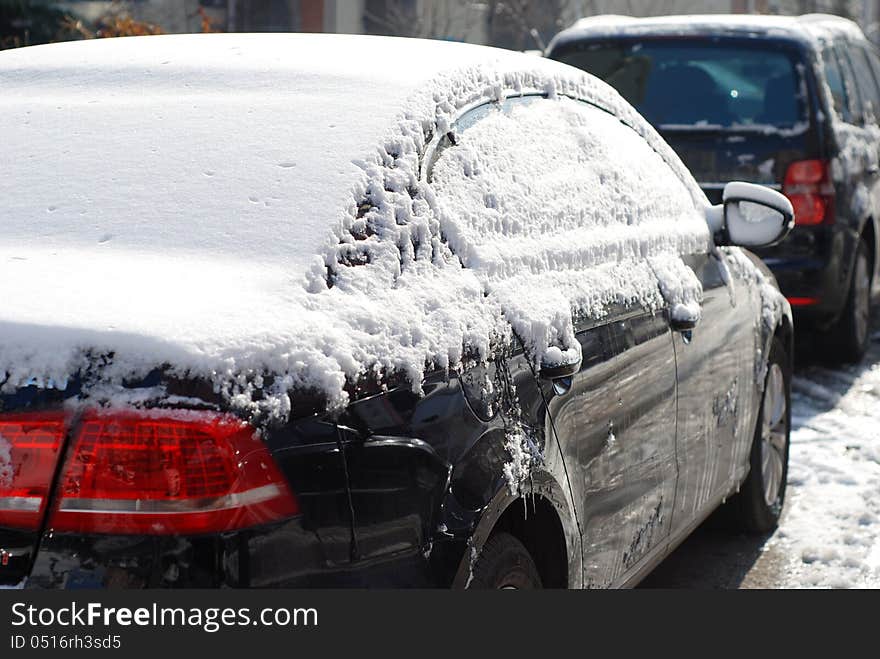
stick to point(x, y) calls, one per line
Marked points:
point(849, 336)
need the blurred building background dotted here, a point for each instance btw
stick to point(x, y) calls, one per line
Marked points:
point(517, 24)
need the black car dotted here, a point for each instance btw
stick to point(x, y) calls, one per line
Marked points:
point(497, 348)
point(790, 103)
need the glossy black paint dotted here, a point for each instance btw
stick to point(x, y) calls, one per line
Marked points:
point(617, 422)
point(409, 524)
point(425, 474)
point(715, 364)
point(813, 261)
point(402, 488)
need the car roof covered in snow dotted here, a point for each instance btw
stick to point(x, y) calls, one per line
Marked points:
point(806, 29)
point(118, 141)
point(259, 128)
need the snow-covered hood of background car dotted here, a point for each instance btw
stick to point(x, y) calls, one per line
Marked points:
point(194, 201)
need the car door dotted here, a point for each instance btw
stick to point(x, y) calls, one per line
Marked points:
point(616, 423)
point(715, 370)
point(564, 211)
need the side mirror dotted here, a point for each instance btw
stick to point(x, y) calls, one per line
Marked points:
point(753, 215)
point(557, 365)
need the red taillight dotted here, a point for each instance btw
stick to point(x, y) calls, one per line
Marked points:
point(29, 445)
point(802, 301)
point(809, 188)
point(185, 473)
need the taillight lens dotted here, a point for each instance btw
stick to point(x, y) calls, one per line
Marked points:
point(29, 446)
point(802, 301)
point(809, 187)
point(186, 473)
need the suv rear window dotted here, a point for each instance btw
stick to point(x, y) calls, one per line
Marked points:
point(689, 82)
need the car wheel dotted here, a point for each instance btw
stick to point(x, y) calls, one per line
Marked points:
point(504, 563)
point(758, 505)
point(849, 337)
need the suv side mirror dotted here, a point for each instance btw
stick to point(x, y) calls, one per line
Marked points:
point(754, 215)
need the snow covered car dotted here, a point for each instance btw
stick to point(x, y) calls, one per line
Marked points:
point(788, 102)
point(312, 310)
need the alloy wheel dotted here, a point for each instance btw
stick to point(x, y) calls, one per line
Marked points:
point(862, 301)
point(774, 434)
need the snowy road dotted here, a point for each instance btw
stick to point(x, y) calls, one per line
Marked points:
point(830, 532)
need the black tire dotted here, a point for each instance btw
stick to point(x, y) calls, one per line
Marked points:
point(749, 510)
point(504, 562)
point(849, 336)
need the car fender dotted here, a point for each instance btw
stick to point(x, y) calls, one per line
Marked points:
point(542, 485)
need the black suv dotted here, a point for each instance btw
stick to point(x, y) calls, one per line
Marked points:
point(791, 103)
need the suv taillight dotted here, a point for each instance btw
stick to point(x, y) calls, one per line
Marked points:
point(809, 187)
point(29, 446)
point(160, 473)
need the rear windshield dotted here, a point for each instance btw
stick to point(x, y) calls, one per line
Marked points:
point(691, 84)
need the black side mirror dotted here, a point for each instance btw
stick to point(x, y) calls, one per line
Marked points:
point(557, 370)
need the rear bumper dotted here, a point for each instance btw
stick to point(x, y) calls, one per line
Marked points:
point(812, 268)
point(812, 287)
point(285, 555)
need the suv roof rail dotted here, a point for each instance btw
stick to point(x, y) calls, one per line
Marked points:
point(833, 22)
point(586, 21)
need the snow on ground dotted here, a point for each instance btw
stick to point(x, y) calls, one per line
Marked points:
point(832, 525)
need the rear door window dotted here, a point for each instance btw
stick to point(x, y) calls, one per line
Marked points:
point(853, 93)
point(874, 61)
point(867, 82)
point(834, 78)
